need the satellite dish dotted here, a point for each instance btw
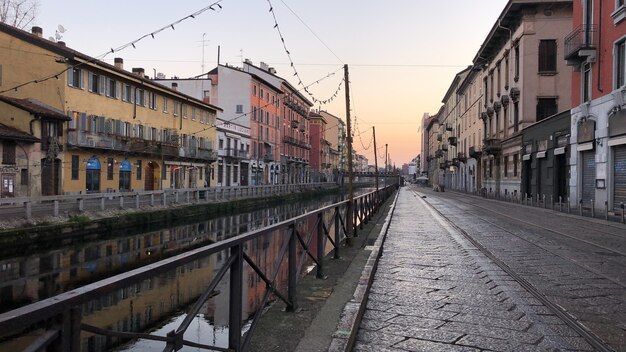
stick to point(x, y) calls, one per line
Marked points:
point(58, 36)
point(51, 39)
point(61, 29)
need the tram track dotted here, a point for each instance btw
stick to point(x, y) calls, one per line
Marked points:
point(595, 341)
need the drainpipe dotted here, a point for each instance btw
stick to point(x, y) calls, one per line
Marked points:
point(599, 61)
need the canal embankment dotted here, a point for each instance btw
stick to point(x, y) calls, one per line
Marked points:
point(321, 302)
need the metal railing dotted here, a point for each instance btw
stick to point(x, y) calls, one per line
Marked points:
point(583, 37)
point(59, 319)
point(28, 208)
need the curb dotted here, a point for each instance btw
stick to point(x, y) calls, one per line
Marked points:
point(348, 326)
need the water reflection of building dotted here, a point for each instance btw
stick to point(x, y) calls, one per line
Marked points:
point(143, 305)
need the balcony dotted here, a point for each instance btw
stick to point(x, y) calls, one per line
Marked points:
point(268, 157)
point(206, 154)
point(492, 146)
point(449, 127)
point(452, 141)
point(294, 124)
point(581, 44)
point(461, 156)
point(233, 153)
point(474, 153)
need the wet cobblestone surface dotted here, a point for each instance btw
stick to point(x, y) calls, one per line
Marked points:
point(435, 291)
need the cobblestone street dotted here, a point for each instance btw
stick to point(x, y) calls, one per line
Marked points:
point(461, 273)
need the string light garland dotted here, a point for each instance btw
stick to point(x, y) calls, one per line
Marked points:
point(211, 7)
point(293, 66)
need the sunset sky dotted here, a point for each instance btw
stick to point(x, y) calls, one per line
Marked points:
point(402, 54)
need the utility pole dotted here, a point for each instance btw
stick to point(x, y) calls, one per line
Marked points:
point(386, 167)
point(375, 157)
point(350, 228)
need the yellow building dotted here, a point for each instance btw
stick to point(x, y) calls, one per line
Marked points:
point(126, 132)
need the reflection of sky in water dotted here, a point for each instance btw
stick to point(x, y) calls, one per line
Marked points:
point(200, 331)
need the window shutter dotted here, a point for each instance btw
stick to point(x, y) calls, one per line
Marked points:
point(102, 85)
point(90, 81)
point(123, 92)
point(101, 124)
point(70, 76)
point(83, 121)
point(81, 79)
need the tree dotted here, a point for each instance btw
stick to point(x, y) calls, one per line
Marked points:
point(18, 13)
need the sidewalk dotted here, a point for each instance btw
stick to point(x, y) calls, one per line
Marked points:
point(433, 291)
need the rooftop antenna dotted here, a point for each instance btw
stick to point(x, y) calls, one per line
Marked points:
point(58, 34)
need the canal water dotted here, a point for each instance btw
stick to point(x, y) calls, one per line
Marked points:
point(156, 304)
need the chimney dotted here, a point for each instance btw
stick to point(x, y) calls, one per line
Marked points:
point(271, 70)
point(264, 66)
point(37, 31)
point(174, 86)
point(60, 43)
point(119, 63)
point(139, 71)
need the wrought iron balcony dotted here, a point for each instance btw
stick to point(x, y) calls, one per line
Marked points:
point(475, 153)
point(233, 153)
point(581, 43)
point(452, 141)
point(492, 146)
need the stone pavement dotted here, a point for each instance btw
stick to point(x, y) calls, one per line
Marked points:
point(434, 291)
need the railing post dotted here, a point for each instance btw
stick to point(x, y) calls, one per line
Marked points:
point(337, 233)
point(121, 201)
point(235, 301)
point(69, 341)
point(176, 196)
point(81, 205)
point(188, 194)
point(164, 198)
point(137, 200)
point(292, 270)
point(355, 217)
point(102, 200)
point(320, 246)
point(56, 207)
point(151, 199)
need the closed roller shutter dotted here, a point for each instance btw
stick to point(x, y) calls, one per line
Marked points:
point(619, 176)
point(589, 176)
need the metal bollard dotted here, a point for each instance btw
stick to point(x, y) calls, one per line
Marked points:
point(137, 200)
point(606, 210)
point(560, 203)
point(622, 206)
point(580, 207)
point(569, 206)
point(56, 207)
point(544, 201)
point(552, 201)
point(538, 200)
point(593, 209)
point(102, 203)
point(121, 202)
point(152, 199)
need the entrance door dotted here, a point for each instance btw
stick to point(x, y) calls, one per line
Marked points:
point(125, 171)
point(528, 172)
point(92, 184)
point(149, 177)
point(243, 176)
point(561, 178)
point(50, 177)
point(619, 176)
point(588, 176)
point(8, 186)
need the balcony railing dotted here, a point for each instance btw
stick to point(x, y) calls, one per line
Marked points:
point(136, 145)
point(492, 146)
point(452, 141)
point(233, 153)
point(585, 37)
point(475, 153)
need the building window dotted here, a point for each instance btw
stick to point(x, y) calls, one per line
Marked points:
point(138, 169)
point(254, 90)
point(546, 107)
point(75, 167)
point(220, 171)
point(586, 82)
point(140, 97)
point(499, 79)
point(8, 153)
point(193, 113)
point(515, 162)
point(24, 177)
point(515, 117)
point(165, 105)
point(547, 56)
point(127, 93)
point(152, 101)
point(517, 61)
point(110, 168)
point(176, 108)
point(239, 109)
point(96, 83)
point(506, 166)
point(111, 88)
point(75, 78)
point(620, 64)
